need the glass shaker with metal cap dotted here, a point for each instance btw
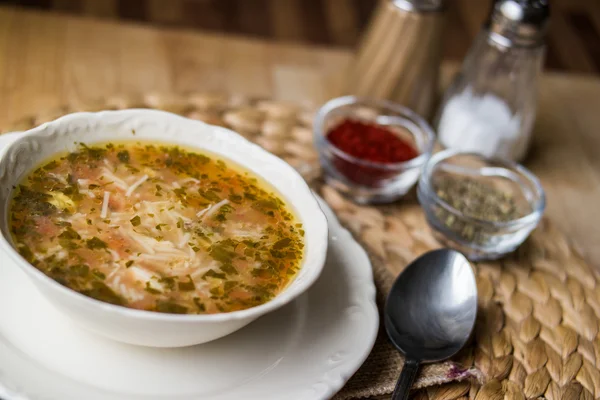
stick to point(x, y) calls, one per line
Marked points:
point(490, 107)
point(399, 56)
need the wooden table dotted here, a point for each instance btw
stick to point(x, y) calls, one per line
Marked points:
point(49, 60)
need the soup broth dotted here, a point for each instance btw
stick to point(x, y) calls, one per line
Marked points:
point(157, 228)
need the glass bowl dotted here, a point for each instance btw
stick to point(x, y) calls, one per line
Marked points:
point(454, 184)
point(367, 181)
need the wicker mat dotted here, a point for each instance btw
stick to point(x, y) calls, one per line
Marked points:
point(537, 330)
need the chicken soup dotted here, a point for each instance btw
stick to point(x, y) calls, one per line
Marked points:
point(158, 228)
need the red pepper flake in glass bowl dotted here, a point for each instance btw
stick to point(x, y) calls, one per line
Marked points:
point(371, 150)
point(371, 142)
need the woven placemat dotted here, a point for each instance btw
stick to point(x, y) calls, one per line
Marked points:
point(539, 309)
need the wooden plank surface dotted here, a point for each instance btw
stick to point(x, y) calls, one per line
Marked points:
point(574, 36)
point(51, 60)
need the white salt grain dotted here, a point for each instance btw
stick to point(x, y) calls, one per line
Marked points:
point(482, 124)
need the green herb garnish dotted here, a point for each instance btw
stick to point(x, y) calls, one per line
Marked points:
point(123, 156)
point(95, 243)
point(98, 274)
point(187, 286)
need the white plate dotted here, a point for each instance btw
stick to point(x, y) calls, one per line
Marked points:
point(306, 350)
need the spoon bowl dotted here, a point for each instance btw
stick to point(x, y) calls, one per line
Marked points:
point(430, 311)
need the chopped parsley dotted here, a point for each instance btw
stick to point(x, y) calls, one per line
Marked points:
point(55, 222)
point(95, 243)
point(123, 156)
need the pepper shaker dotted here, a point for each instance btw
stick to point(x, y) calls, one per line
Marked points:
point(490, 107)
point(399, 56)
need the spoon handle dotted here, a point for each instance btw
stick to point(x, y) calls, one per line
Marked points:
point(407, 377)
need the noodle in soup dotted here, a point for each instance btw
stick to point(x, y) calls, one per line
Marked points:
point(158, 228)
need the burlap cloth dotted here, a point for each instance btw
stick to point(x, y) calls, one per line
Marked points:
point(536, 334)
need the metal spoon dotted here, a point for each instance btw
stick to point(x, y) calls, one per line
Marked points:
point(430, 312)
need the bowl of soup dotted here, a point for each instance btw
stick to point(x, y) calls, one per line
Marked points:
point(153, 229)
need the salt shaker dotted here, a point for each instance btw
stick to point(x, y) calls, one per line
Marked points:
point(490, 107)
point(399, 56)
